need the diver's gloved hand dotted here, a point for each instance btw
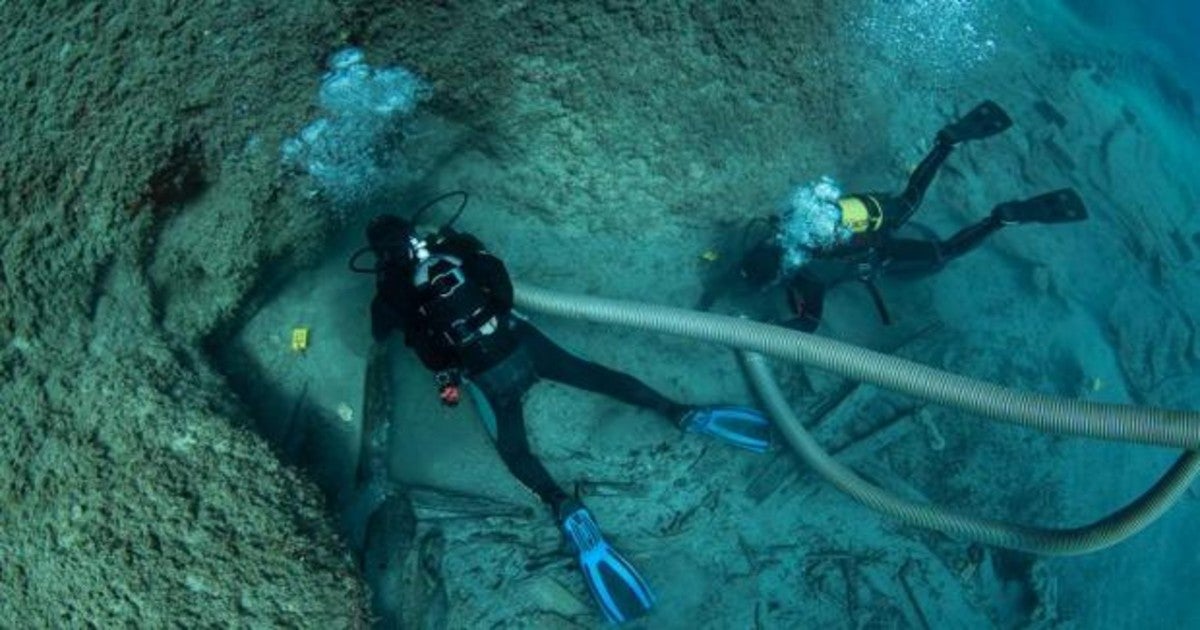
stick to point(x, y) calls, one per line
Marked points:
point(742, 427)
point(620, 592)
point(449, 384)
point(762, 266)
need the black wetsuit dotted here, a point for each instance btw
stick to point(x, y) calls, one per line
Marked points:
point(868, 254)
point(504, 363)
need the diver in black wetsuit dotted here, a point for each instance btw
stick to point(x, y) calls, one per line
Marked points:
point(453, 300)
point(830, 240)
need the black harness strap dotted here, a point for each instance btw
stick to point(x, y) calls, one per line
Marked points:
point(877, 298)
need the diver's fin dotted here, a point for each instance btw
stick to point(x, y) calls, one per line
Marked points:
point(986, 120)
point(1060, 206)
point(742, 427)
point(620, 592)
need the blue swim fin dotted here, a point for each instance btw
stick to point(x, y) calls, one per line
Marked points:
point(616, 586)
point(742, 427)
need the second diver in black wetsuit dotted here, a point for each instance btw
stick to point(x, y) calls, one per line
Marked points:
point(826, 240)
point(452, 300)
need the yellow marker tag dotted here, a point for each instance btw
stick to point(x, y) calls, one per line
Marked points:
point(710, 256)
point(300, 339)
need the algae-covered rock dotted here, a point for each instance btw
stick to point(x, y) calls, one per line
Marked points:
point(128, 494)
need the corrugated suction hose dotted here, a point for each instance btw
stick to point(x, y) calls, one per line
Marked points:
point(1180, 429)
point(1106, 532)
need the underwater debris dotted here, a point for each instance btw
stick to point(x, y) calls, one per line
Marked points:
point(1061, 158)
point(1050, 113)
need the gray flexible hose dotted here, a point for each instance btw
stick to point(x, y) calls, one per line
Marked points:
point(1160, 427)
point(1106, 532)
point(1152, 426)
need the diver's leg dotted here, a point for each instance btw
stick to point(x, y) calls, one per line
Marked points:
point(969, 238)
point(553, 362)
point(984, 120)
point(499, 393)
point(620, 592)
point(912, 257)
point(1059, 206)
point(512, 442)
point(740, 426)
point(923, 175)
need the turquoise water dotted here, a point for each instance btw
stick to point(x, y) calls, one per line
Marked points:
point(204, 432)
point(1164, 28)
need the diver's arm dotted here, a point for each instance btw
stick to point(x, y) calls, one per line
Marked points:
point(806, 299)
point(392, 304)
point(383, 319)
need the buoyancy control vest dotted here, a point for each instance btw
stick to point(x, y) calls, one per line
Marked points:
point(451, 305)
